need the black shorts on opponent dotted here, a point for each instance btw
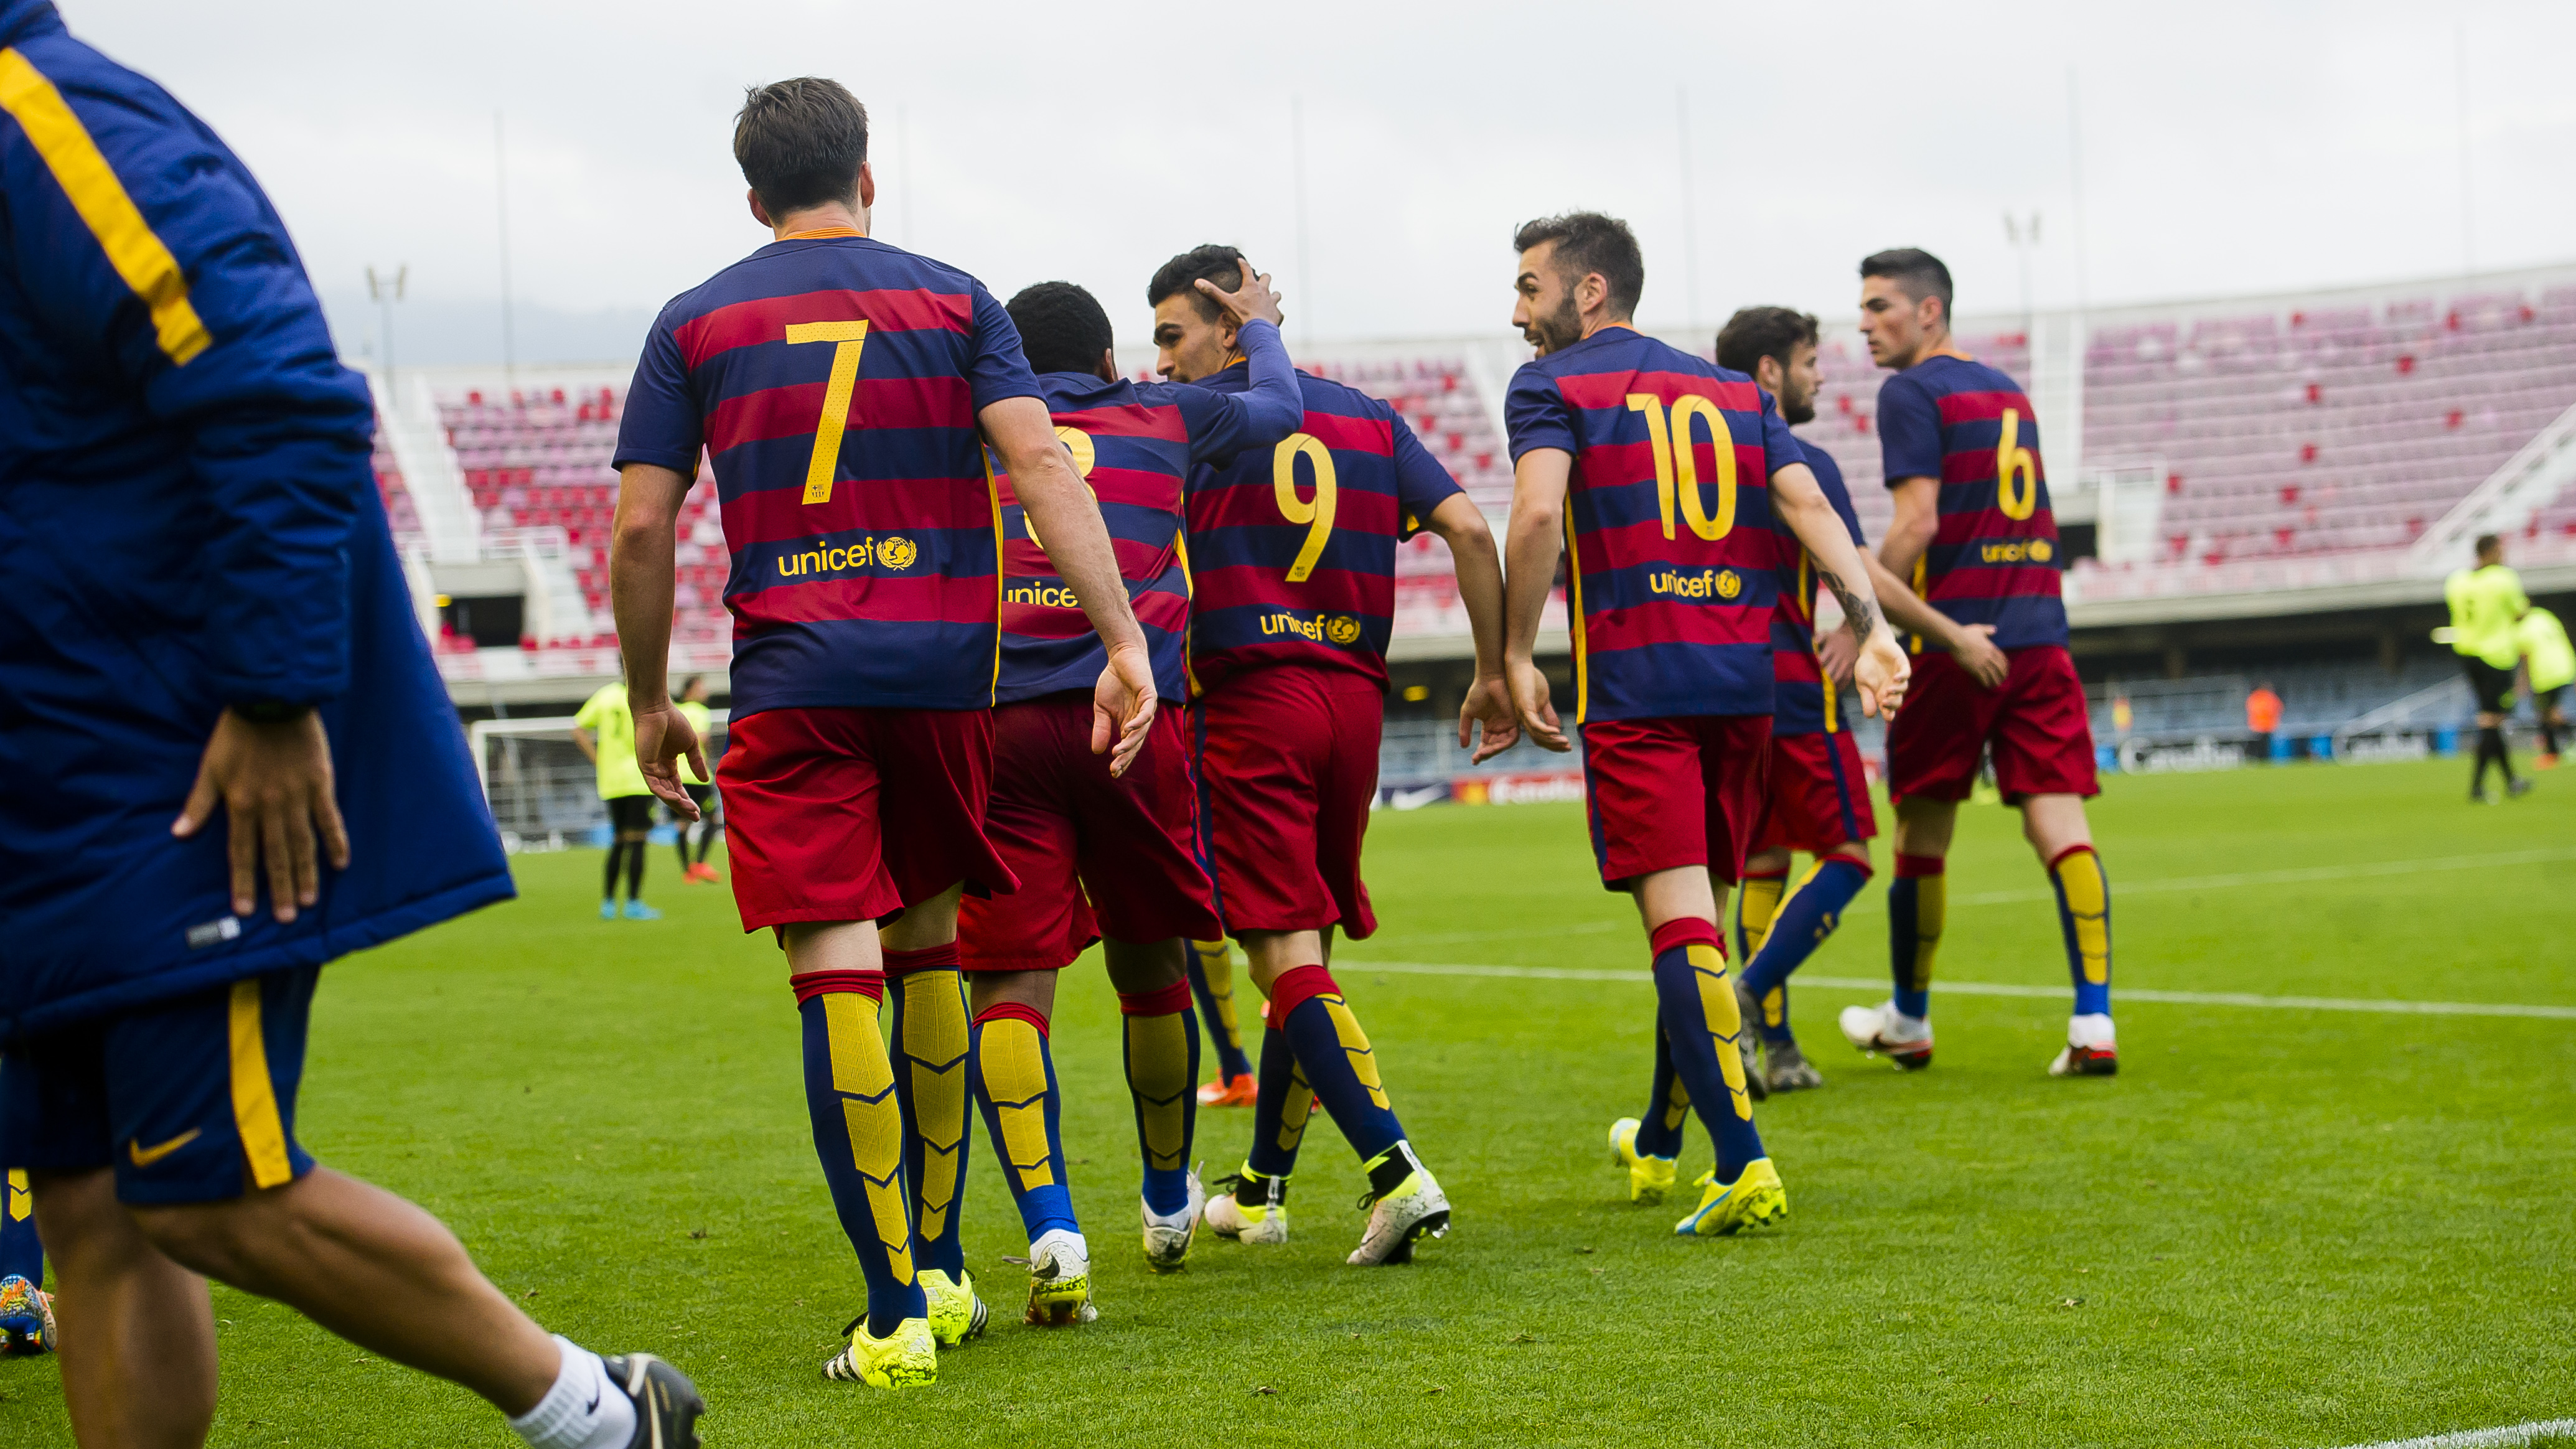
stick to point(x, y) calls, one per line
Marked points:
point(2492, 686)
point(191, 1100)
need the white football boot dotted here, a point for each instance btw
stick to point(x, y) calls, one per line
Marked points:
point(1882, 1030)
point(1168, 1236)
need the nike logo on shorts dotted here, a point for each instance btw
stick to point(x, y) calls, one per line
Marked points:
point(146, 1156)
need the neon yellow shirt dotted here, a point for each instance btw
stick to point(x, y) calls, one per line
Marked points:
point(2544, 643)
point(2485, 603)
point(612, 726)
point(701, 720)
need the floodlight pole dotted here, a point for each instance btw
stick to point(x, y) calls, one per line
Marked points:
point(385, 292)
point(1690, 239)
point(2025, 240)
point(501, 210)
point(1305, 261)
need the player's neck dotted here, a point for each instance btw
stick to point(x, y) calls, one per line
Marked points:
point(833, 218)
point(1935, 344)
point(1604, 324)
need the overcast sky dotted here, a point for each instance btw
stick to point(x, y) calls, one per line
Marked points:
point(2224, 147)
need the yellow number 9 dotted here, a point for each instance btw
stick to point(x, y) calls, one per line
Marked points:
point(2021, 501)
point(1317, 515)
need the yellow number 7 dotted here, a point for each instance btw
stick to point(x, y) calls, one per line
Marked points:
point(1318, 515)
point(1677, 462)
point(847, 338)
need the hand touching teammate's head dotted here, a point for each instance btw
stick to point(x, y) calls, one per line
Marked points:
point(1904, 306)
point(1776, 347)
point(1193, 337)
point(1579, 272)
point(803, 144)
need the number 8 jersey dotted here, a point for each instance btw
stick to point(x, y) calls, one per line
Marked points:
point(1292, 547)
point(1676, 563)
point(1994, 558)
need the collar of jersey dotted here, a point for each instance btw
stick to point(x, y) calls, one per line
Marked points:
point(1950, 351)
point(822, 233)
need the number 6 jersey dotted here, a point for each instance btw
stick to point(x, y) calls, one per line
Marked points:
point(1292, 547)
point(834, 382)
point(1994, 559)
point(1676, 563)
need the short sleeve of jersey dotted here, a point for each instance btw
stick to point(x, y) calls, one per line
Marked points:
point(1780, 447)
point(595, 710)
point(1000, 369)
point(1421, 483)
point(661, 425)
point(1909, 431)
point(1535, 413)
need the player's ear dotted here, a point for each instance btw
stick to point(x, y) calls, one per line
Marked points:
point(759, 213)
point(1108, 368)
point(867, 186)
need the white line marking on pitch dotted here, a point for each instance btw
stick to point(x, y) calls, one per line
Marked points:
point(2481, 1438)
point(1999, 988)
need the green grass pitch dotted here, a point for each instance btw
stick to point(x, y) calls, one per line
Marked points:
point(2276, 1227)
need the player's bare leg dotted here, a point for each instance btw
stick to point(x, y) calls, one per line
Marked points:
point(1160, 1046)
point(137, 1334)
point(1698, 1022)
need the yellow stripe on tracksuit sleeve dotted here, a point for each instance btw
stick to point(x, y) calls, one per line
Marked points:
point(85, 176)
point(263, 1136)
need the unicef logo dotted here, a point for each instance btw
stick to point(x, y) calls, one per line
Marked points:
point(897, 552)
point(1342, 629)
point(2039, 550)
point(1728, 585)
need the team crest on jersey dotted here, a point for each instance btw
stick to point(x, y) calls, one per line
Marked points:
point(897, 552)
point(1728, 585)
point(1342, 629)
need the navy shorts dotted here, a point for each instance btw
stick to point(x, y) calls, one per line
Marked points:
point(191, 1100)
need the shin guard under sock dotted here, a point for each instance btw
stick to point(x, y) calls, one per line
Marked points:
point(1659, 1132)
point(1279, 1112)
point(21, 1256)
point(1917, 904)
point(1014, 1077)
point(1340, 1065)
point(1162, 1053)
point(1695, 1005)
point(2084, 915)
point(1802, 923)
point(1757, 910)
point(1212, 978)
point(858, 1134)
point(929, 1051)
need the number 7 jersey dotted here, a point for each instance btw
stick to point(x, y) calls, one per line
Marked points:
point(1292, 547)
point(1676, 564)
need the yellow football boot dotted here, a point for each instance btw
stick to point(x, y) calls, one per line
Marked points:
point(907, 1358)
point(956, 1314)
point(1754, 1200)
point(1649, 1178)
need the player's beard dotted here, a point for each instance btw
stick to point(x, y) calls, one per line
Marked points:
point(1801, 411)
point(1556, 331)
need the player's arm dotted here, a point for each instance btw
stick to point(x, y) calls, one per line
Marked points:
point(1881, 671)
point(1065, 514)
point(642, 574)
point(1532, 543)
point(1223, 424)
point(1488, 707)
point(584, 741)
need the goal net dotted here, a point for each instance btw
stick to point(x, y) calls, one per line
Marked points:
point(544, 794)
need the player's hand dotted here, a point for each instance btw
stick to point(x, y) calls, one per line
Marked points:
point(1122, 707)
point(1529, 701)
point(1250, 301)
point(1489, 703)
point(274, 780)
point(1977, 654)
point(1882, 672)
point(661, 736)
point(1835, 653)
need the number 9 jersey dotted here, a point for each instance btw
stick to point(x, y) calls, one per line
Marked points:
point(1676, 563)
point(1292, 547)
point(1994, 559)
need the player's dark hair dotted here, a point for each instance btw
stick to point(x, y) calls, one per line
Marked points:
point(691, 683)
point(1917, 271)
point(1062, 327)
point(1222, 265)
point(1754, 333)
point(800, 143)
point(2488, 543)
point(1588, 242)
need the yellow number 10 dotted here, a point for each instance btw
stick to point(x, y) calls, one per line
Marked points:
point(1318, 515)
point(2010, 461)
point(1677, 463)
point(846, 339)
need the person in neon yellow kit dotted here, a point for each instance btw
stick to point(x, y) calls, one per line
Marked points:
point(693, 706)
point(604, 731)
point(2550, 664)
point(2487, 603)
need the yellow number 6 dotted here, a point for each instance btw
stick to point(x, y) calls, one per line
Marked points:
point(1318, 515)
point(2010, 460)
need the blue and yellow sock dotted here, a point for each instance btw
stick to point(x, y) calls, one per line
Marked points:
point(1162, 1052)
point(1918, 902)
point(21, 1256)
point(1212, 978)
point(2084, 915)
point(1695, 1006)
point(1659, 1131)
point(1757, 910)
point(1279, 1114)
point(1802, 923)
point(1014, 1076)
point(930, 1049)
point(858, 1134)
point(1339, 1064)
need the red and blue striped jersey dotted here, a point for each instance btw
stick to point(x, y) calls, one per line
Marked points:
point(1801, 703)
point(1994, 558)
point(833, 382)
point(1675, 564)
point(1294, 545)
point(1134, 443)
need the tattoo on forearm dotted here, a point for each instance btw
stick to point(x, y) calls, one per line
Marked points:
point(1859, 611)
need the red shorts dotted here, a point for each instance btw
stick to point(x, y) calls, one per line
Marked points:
point(1094, 855)
point(2036, 724)
point(1667, 793)
point(1819, 797)
point(854, 814)
point(1288, 761)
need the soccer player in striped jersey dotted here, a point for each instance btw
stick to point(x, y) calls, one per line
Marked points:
point(1293, 549)
point(1973, 529)
point(1678, 548)
point(1114, 861)
point(1819, 799)
point(844, 391)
